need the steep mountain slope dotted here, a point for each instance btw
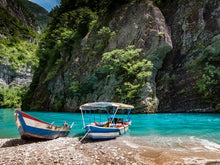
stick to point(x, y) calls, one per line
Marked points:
point(16, 10)
point(39, 13)
point(47, 4)
point(112, 51)
point(18, 43)
point(190, 78)
point(75, 70)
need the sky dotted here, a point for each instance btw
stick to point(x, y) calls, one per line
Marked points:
point(47, 4)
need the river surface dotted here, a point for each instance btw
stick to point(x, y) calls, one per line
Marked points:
point(198, 131)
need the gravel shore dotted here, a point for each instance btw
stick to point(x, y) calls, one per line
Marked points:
point(122, 150)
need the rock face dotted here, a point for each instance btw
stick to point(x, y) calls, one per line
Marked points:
point(39, 13)
point(144, 26)
point(16, 24)
point(17, 11)
point(140, 24)
point(195, 36)
point(183, 46)
point(8, 76)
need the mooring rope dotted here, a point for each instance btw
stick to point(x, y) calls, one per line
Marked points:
point(75, 144)
point(84, 136)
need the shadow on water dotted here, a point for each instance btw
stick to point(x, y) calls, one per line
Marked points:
point(17, 142)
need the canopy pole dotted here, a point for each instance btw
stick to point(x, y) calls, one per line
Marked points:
point(82, 118)
point(100, 115)
point(123, 115)
point(94, 115)
point(90, 115)
point(114, 113)
point(113, 117)
point(85, 115)
point(129, 111)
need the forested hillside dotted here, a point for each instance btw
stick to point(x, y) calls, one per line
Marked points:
point(161, 56)
point(39, 13)
point(19, 36)
point(77, 55)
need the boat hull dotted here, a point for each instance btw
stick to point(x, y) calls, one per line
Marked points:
point(30, 127)
point(97, 132)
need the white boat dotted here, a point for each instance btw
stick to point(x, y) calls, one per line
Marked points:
point(113, 126)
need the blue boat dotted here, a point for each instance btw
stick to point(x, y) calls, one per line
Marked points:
point(113, 126)
point(30, 127)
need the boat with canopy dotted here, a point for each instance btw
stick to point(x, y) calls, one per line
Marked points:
point(117, 122)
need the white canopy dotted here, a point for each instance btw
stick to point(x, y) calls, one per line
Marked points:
point(105, 105)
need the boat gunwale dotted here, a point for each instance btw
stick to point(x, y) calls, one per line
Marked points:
point(36, 119)
point(30, 131)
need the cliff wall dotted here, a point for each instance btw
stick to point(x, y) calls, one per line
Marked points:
point(189, 80)
point(16, 36)
point(175, 67)
point(81, 78)
point(16, 10)
point(19, 35)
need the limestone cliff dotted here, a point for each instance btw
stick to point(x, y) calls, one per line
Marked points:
point(16, 10)
point(189, 80)
point(15, 36)
point(78, 80)
point(181, 42)
point(18, 42)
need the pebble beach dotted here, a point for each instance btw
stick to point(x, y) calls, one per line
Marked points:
point(123, 150)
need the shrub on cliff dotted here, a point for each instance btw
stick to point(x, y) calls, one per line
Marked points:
point(11, 97)
point(128, 67)
point(208, 85)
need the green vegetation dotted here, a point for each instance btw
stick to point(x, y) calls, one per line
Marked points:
point(206, 69)
point(69, 24)
point(40, 14)
point(18, 55)
point(130, 68)
point(11, 97)
point(182, 91)
point(126, 67)
point(14, 29)
point(61, 37)
point(208, 85)
point(18, 44)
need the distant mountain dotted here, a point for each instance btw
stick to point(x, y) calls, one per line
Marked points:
point(15, 9)
point(47, 4)
point(39, 12)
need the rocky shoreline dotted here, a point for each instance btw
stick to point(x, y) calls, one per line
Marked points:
point(71, 150)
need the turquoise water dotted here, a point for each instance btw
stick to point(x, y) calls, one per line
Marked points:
point(153, 127)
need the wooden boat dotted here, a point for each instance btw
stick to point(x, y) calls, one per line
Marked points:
point(111, 128)
point(30, 127)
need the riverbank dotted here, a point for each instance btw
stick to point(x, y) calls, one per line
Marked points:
point(123, 150)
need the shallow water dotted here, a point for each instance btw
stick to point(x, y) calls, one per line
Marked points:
point(179, 131)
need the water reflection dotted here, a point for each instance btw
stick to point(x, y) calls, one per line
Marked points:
point(6, 115)
point(7, 124)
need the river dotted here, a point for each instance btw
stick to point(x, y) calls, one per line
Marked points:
point(198, 131)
